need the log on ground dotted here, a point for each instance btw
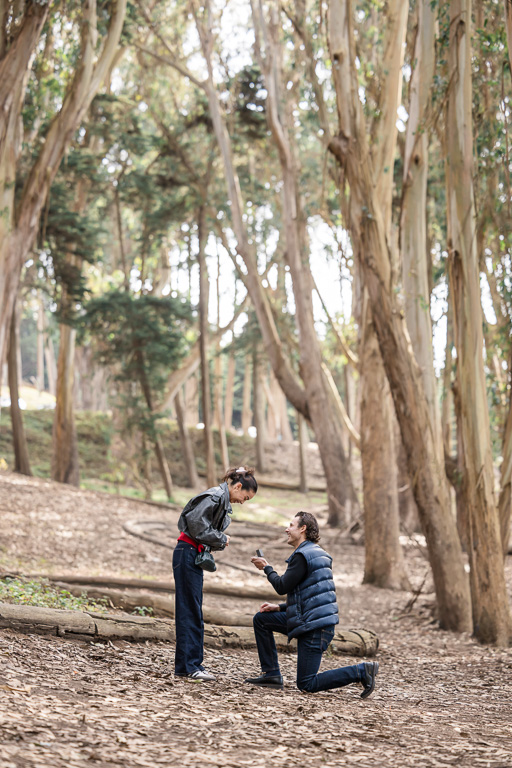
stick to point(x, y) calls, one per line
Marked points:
point(96, 627)
point(228, 590)
point(161, 607)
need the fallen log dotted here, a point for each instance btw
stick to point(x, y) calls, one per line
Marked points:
point(228, 590)
point(161, 606)
point(84, 625)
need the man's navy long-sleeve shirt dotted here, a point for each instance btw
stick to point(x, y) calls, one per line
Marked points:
point(291, 578)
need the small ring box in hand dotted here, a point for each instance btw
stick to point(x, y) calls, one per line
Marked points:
point(259, 553)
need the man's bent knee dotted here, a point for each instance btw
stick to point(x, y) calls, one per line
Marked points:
point(307, 684)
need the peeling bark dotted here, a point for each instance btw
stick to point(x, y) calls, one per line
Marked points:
point(368, 232)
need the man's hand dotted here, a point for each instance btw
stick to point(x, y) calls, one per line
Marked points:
point(265, 607)
point(259, 562)
point(228, 538)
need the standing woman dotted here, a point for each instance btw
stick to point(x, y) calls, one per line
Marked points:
point(202, 523)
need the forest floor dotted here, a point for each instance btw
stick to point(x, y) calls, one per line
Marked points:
point(440, 700)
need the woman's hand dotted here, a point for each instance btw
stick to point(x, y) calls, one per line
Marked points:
point(259, 562)
point(266, 607)
point(228, 538)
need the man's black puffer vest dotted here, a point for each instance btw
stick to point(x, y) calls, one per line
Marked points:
point(312, 604)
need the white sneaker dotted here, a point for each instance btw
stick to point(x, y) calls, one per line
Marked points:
point(201, 676)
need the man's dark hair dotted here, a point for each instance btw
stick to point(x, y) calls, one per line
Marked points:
point(312, 530)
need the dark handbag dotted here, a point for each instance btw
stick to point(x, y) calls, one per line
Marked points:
point(205, 560)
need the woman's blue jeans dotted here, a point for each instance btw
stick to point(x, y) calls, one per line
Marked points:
point(310, 648)
point(188, 610)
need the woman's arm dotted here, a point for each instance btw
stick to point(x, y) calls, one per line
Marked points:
point(199, 523)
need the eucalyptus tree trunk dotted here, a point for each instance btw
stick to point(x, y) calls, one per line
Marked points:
point(19, 440)
point(384, 562)
point(246, 397)
point(302, 429)
point(312, 399)
point(192, 400)
point(186, 443)
point(15, 63)
point(40, 346)
point(51, 365)
point(204, 290)
point(324, 419)
point(19, 224)
point(505, 500)
point(368, 234)
point(219, 415)
point(228, 398)
point(491, 615)
point(413, 221)
point(65, 461)
point(258, 404)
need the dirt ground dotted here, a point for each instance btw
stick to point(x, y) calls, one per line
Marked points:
point(440, 699)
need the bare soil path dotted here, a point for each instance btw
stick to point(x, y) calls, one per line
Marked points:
point(440, 700)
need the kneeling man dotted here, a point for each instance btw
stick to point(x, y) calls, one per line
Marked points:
point(309, 614)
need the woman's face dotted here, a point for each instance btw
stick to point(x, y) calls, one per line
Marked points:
point(239, 495)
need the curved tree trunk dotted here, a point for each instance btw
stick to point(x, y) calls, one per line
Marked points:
point(14, 71)
point(18, 228)
point(21, 459)
point(350, 147)
point(324, 420)
point(491, 615)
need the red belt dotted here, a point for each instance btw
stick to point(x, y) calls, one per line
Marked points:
point(188, 540)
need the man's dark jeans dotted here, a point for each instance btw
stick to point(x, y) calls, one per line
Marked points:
point(310, 647)
point(188, 580)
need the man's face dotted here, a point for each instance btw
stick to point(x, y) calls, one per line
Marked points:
point(239, 495)
point(295, 532)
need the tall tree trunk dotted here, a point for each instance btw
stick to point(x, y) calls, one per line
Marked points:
point(258, 400)
point(14, 71)
point(19, 227)
point(65, 462)
point(384, 562)
point(302, 429)
point(491, 615)
point(505, 501)
point(368, 233)
point(204, 290)
point(246, 397)
point(228, 399)
point(324, 420)
point(413, 222)
point(40, 346)
point(282, 410)
point(51, 365)
point(186, 443)
point(21, 459)
point(272, 415)
point(158, 447)
point(192, 401)
point(219, 415)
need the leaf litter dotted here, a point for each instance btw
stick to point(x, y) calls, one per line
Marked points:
point(441, 699)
